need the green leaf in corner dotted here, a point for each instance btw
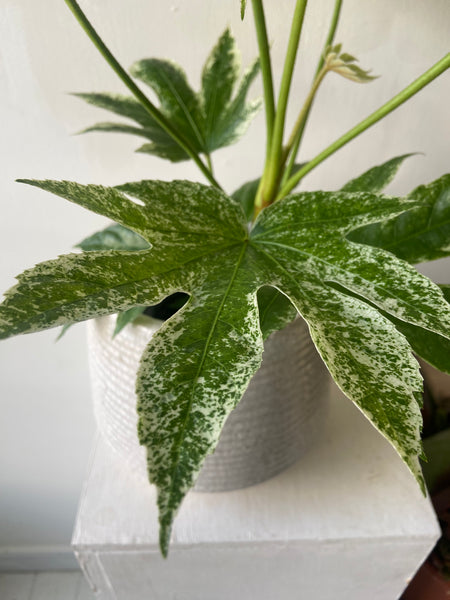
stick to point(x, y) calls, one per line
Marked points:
point(197, 366)
point(376, 179)
point(420, 234)
point(127, 316)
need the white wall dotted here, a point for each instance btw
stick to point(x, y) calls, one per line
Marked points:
point(46, 426)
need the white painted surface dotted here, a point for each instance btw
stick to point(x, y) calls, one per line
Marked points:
point(46, 423)
point(350, 501)
point(44, 586)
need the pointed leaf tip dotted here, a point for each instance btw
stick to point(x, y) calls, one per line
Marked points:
point(243, 7)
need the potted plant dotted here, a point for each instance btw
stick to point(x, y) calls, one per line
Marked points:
point(342, 260)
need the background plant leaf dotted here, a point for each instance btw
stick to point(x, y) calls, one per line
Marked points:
point(161, 143)
point(126, 317)
point(237, 115)
point(377, 178)
point(209, 120)
point(114, 237)
point(420, 234)
point(219, 76)
point(178, 102)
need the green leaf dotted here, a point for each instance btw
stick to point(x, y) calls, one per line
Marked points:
point(196, 368)
point(237, 115)
point(63, 331)
point(420, 234)
point(128, 316)
point(169, 151)
point(243, 6)
point(376, 179)
point(445, 288)
point(114, 237)
point(125, 106)
point(179, 103)
point(246, 195)
point(275, 310)
point(162, 144)
point(437, 467)
point(219, 76)
point(209, 120)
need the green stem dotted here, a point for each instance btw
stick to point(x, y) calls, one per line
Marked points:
point(270, 179)
point(137, 93)
point(299, 135)
point(209, 163)
point(331, 34)
point(303, 115)
point(414, 87)
point(266, 68)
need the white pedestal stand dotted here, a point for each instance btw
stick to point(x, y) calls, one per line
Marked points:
point(347, 522)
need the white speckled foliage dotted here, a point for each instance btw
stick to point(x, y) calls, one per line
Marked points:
point(355, 298)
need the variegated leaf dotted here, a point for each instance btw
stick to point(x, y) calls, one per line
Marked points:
point(377, 178)
point(422, 233)
point(199, 363)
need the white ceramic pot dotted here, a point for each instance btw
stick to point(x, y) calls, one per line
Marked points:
point(276, 422)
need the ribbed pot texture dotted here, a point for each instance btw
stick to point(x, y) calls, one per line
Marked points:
point(276, 422)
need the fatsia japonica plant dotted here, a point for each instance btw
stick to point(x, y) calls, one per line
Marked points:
point(249, 263)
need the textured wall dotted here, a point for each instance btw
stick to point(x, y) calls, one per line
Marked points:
point(46, 426)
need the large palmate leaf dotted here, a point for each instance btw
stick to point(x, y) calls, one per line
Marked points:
point(196, 368)
point(217, 116)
